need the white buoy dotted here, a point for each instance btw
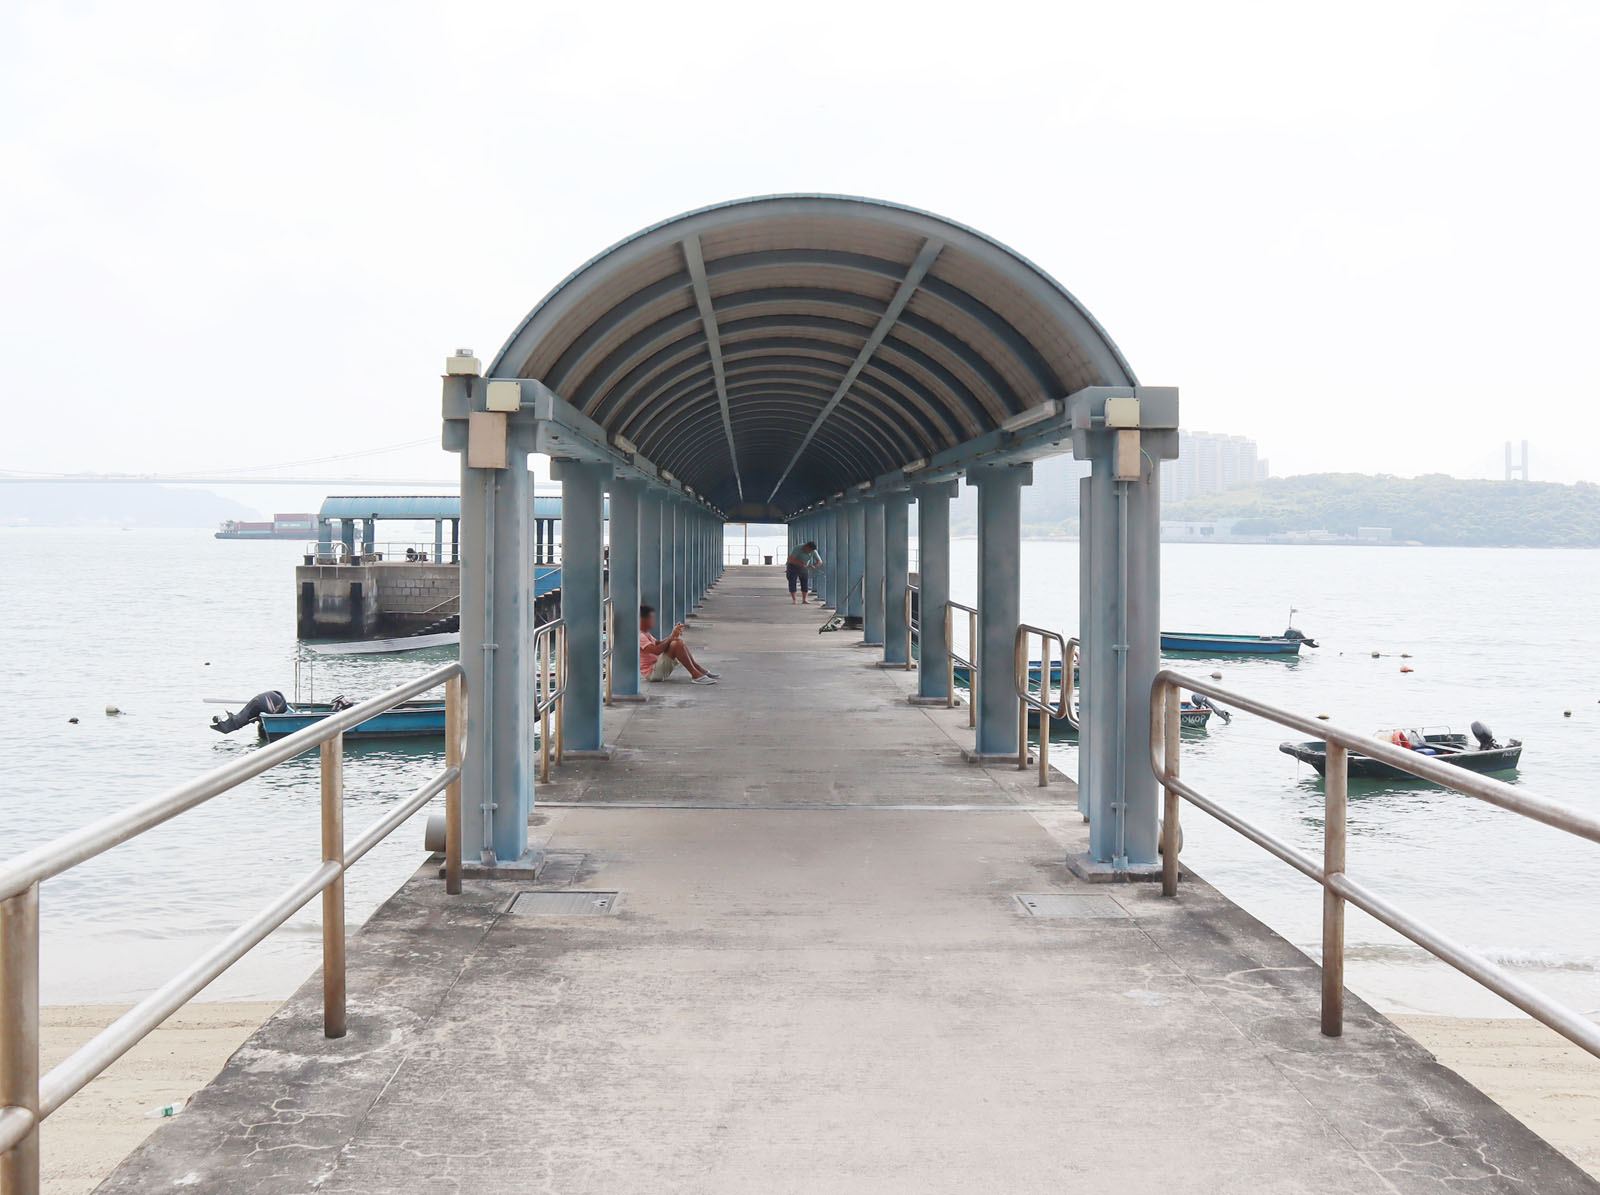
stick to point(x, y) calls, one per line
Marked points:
point(112, 711)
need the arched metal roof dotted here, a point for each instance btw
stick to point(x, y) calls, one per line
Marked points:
point(780, 349)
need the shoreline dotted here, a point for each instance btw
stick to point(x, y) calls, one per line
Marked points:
point(1531, 1071)
point(1549, 1084)
point(93, 1131)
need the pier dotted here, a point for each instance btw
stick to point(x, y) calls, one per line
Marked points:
point(828, 924)
point(819, 974)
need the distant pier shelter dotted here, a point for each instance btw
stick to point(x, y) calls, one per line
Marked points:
point(356, 583)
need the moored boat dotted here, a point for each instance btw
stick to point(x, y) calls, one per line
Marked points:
point(1207, 644)
point(1486, 754)
point(409, 720)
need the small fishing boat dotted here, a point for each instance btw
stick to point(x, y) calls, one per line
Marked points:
point(412, 719)
point(1486, 754)
point(964, 674)
point(1207, 644)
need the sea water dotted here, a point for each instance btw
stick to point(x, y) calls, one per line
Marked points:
point(153, 622)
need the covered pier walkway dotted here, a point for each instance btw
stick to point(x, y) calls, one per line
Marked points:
point(817, 976)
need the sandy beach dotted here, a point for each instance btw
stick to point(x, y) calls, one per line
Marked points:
point(1538, 1076)
point(94, 1130)
point(1553, 1087)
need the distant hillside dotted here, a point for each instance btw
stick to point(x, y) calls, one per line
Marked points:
point(1433, 509)
point(113, 504)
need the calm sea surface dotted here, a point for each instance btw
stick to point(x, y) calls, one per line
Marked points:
point(154, 621)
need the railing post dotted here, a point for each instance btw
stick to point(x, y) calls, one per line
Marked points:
point(974, 653)
point(1020, 661)
point(454, 718)
point(333, 971)
point(1171, 739)
point(1333, 828)
point(949, 655)
point(19, 1034)
point(1044, 716)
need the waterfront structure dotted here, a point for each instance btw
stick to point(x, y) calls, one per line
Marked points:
point(819, 361)
point(841, 954)
point(355, 584)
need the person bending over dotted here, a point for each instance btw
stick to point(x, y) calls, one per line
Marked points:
point(659, 658)
point(799, 565)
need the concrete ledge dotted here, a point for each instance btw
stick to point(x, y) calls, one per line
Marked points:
point(1009, 758)
point(1089, 869)
point(606, 752)
point(526, 869)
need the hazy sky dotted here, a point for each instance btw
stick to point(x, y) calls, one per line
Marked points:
point(1365, 234)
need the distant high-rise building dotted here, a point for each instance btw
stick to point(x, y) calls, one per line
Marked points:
point(1207, 463)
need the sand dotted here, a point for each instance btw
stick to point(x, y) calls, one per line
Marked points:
point(1551, 1086)
point(93, 1131)
point(1543, 1080)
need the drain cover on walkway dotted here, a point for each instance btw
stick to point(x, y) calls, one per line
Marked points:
point(564, 904)
point(1062, 904)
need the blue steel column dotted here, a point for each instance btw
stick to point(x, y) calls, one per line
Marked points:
point(832, 567)
point(856, 564)
point(582, 599)
point(872, 586)
point(896, 565)
point(649, 554)
point(438, 541)
point(497, 656)
point(933, 581)
point(999, 605)
point(625, 553)
point(671, 610)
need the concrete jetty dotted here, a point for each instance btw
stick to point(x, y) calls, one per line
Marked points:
point(838, 959)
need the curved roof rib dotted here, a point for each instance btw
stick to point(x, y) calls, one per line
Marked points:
point(773, 351)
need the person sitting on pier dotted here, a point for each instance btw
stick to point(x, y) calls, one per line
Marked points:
point(799, 565)
point(659, 658)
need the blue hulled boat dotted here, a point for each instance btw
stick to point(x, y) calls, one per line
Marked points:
point(411, 720)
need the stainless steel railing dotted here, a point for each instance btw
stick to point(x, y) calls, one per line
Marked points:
point(383, 551)
point(550, 688)
point(913, 624)
point(1041, 702)
point(26, 1097)
point(1338, 887)
point(971, 665)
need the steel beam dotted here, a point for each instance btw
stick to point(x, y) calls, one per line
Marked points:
point(583, 485)
point(896, 565)
point(626, 498)
point(933, 581)
point(999, 605)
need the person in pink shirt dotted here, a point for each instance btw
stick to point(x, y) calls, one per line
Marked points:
point(659, 658)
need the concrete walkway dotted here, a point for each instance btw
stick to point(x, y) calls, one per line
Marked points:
point(818, 977)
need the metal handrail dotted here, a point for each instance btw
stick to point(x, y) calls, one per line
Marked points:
point(950, 608)
point(608, 621)
point(550, 683)
point(26, 1098)
point(913, 622)
point(1338, 887)
point(1041, 703)
point(389, 551)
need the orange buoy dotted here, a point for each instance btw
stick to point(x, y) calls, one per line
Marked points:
point(1406, 668)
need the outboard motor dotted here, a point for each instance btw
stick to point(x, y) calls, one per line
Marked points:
point(270, 702)
point(1485, 737)
point(1291, 633)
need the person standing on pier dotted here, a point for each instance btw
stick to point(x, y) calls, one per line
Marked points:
point(801, 561)
point(659, 658)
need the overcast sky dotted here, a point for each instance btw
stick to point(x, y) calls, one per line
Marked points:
point(1364, 234)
